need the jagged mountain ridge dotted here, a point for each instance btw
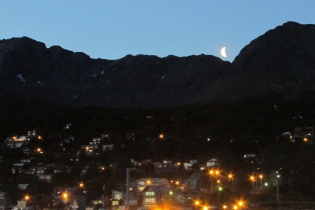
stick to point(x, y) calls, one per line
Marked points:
point(29, 69)
point(280, 62)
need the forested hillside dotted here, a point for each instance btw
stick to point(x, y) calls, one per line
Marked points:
point(245, 126)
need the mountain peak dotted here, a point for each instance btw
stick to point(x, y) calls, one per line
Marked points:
point(281, 62)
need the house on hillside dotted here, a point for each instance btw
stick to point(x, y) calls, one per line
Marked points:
point(192, 182)
point(147, 192)
point(66, 127)
point(142, 183)
point(186, 197)
point(212, 163)
point(187, 166)
point(31, 133)
point(72, 198)
point(140, 163)
point(152, 197)
point(22, 186)
point(45, 177)
point(118, 198)
point(3, 200)
point(107, 145)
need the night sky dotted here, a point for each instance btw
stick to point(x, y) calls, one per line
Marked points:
point(112, 29)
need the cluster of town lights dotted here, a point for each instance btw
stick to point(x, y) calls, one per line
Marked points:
point(238, 205)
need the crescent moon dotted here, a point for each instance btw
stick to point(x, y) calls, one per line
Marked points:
point(223, 53)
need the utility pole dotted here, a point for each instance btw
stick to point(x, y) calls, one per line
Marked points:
point(127, 186)
point(290, 186)
point(277, 190)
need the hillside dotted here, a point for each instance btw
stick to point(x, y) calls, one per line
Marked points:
point(278, 64)
point(225, 131)
point(30, 70)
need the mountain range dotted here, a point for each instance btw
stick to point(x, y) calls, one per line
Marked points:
point(277, 64)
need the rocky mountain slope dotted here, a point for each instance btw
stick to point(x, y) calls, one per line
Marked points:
point(280, 63)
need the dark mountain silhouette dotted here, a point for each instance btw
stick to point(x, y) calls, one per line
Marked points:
point(280, 63)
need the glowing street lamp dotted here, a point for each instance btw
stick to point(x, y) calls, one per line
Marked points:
point(240, 204)
point(27, 197)
point(261, 178)
point(197, 203)
point(252, 179)
point(213, 173)
point(230, 176)
point(65, 195)
point(81, 185)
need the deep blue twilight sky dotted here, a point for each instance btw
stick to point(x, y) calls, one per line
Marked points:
point(111, 29)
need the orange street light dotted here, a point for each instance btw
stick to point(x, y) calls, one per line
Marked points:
point(211, 172)
point(65, 195)
point(230, 176)
point(252, 179)
point(27, 197)
point(240, 204)
point(261, 178)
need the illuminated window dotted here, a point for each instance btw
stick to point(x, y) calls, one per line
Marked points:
point(150, 200)
point(149, 193)
point(117, 196)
